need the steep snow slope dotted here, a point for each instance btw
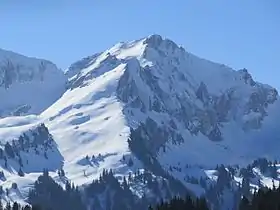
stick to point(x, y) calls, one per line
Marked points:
point(190, 114)
point(89, 121)
point(28, 85)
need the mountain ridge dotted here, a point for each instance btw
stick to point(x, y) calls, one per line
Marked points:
point(149, 104)
point(29, 85)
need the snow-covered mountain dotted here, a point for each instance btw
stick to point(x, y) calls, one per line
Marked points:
point(146, 104)
point(28, 85)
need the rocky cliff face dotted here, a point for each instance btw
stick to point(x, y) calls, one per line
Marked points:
point(165, 79)
point(28, 85)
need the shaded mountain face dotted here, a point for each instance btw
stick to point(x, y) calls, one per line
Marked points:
point(32, 151)
point(28, 85)
point(145, 108)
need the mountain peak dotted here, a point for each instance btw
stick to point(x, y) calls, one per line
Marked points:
point(153, 39)
point(28, 84)
point(156, 41)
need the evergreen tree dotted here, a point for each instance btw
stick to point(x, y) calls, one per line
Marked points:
point(2, 175)
point(9, 150)
point(8, 206)
point(45, 172)
point(201, 204)
point(273, 171)
point(117, 196)
point(36, 207)
point(62, 173)
point(50, 195)
point(21, 142)
point(6, 163)
point(1, 154)
point(20, 172)
point(130, 177)
point(1, 190)
point(244, 204)
point(45, 154)
point(245, 186)
point(14, 185)
point(183, 204)
point(20, 161)
point(68, 186)
point(27, 208)
point(125, 185)
point(263, 199)
point(15, 206)
point(224, 178)
point(130, 162)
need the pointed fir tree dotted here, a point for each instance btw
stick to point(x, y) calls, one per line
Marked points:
point(27, 207)
point(45, 154)
point(2, 175)
point(6, 163)
point(62, 172)
point(14, 185)
point(1, 154)
point(8, 206)
point(245, 186)
point(130, 162)
point(125, 184)
point(273, 171)
point(9, 150)
point(244, 204)
point(1, 191)
point(68, 186)
point(20, 172)
point(15, 206)
point(20, 161)
point(45, 172)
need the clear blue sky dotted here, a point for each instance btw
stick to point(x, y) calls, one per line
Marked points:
point(239, 33)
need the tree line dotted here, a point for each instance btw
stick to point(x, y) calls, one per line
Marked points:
point(262, 199)
point(178, 203)
point(17, 206)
